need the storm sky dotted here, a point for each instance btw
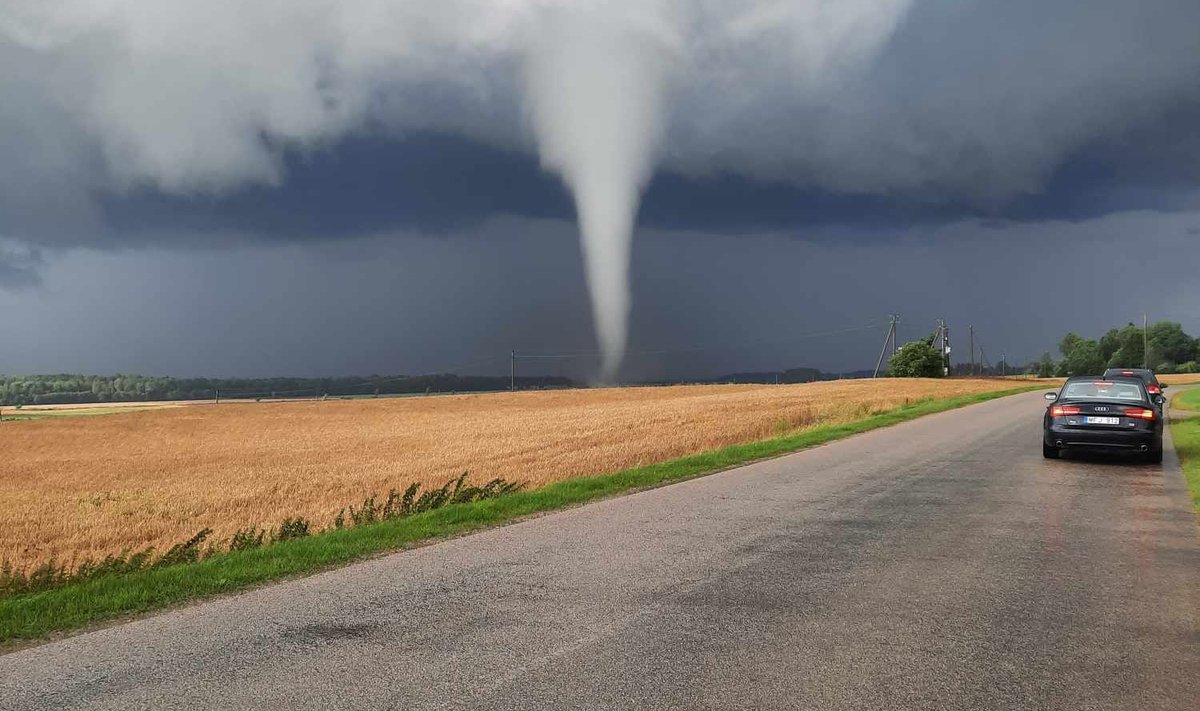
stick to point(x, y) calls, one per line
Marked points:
point(321, 188)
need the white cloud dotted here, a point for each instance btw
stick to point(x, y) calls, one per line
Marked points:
point(958, 97)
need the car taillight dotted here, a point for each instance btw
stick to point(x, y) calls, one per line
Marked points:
point(1153, 389)
point(1138, 413)
point(1063, 410)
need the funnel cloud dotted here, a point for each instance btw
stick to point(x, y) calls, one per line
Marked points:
point(596, 90)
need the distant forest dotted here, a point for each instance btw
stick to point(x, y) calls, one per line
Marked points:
point(1171, 350)
point(64, 389)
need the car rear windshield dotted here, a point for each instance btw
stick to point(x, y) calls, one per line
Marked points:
point(1102, 390)
point(1145, 375)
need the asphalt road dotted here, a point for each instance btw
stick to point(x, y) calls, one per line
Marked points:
point(939, 564)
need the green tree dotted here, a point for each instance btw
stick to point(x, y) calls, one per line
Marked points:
point(1130, 352)
point(1081, 356)
point(1169, 344)
point(1110, 343)
point(1046, 366)
point(918, 359)
point(1069, 342)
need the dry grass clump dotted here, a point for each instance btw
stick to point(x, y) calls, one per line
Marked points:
point(79, 487)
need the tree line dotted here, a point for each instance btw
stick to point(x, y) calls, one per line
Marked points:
point(1163, 347)
point(72, 389)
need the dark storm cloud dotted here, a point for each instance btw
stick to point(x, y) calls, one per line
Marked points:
point(437, 183)
point(432, 182)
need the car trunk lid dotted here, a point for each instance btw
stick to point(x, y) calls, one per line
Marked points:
point(1104, 415)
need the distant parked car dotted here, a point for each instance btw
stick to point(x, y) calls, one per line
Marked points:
point(1147, 376)
point(1108, 414)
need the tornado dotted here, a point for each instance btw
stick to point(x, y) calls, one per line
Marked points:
point(595, 85)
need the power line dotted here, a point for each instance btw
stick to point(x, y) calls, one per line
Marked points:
point(695, 349)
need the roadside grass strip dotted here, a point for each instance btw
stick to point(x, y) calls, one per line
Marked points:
point(1186, 434)
point(1188, 400)
point(36, 615)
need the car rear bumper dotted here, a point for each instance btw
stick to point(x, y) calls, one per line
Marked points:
point(1103, 440)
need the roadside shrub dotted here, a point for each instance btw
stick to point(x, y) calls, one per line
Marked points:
point(111, 564)
point(291, 529)
point(186, 552)
point(367, 513)
point(246, 538)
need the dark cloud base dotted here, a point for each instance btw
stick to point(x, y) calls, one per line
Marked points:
point(442, 184)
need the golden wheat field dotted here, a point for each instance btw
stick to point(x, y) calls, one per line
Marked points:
point(74, 487)
point(1180, 378)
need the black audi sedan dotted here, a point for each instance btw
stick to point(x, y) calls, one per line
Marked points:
point(1115, 414)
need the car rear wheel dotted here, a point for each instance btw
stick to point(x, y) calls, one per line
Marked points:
point(1154, 456)
point(1049, 452)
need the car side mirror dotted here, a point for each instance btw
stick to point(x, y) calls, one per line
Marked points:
point(1163, 386)
point(1051, 396)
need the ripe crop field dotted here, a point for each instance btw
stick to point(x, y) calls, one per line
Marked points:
point(76, 487)
point(1180, 378)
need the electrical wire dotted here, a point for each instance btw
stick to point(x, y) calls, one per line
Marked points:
point(696, 349)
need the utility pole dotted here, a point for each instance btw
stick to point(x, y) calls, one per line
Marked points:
point(1145, 344)
point(891, 336)
point(512, 374)
point(946, 348)
point(1003, 364)
point(943, 338)
point(218, 391)
point(971, 329)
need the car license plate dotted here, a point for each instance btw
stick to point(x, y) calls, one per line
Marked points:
point(1102, 420)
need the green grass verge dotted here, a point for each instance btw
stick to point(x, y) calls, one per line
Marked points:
point(1187, 400)
point(36, 615)
point(1186, 435)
